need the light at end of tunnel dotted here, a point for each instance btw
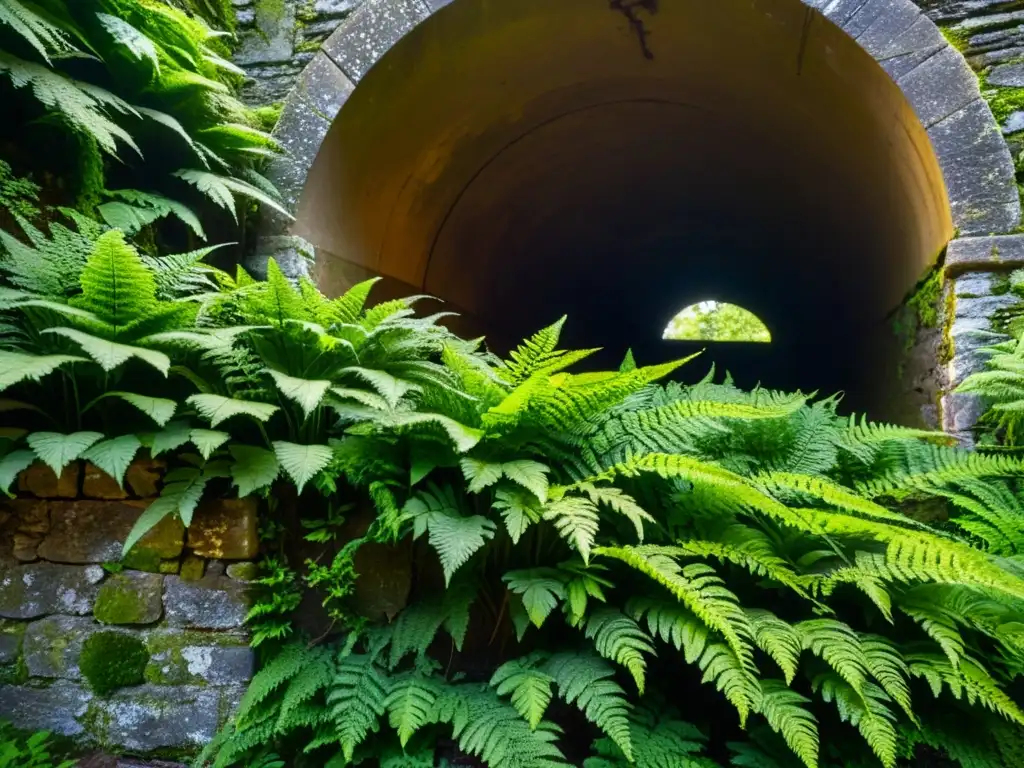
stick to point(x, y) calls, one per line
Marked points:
point(717, 321)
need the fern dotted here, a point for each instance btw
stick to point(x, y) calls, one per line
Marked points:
point(620, 639)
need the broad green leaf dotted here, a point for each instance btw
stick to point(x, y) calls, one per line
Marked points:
point(389, 387)
point(369, 399)
point(57, 450)
point(16, 367)
point(17, 405)
point(208, 440)
point(174, 435)
point(12, 465)
point(480, 474)
point(182, 491)
point(307, 393)
point(110, 354)
point(159, 409)
point(519, 509)
point(531, 475)
point(152, 515)
point(457, 538)
point(217, 408)
point(253, 468)
point(302, 462)
point(113, 456)
point(541, 590)
point(464, 438)
point(124, 34)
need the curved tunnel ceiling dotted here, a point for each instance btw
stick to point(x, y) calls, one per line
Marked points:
point(527, 158)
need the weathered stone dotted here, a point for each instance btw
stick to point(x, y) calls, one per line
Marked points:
point(984, 306)
point(152, 717)
point(53, 645)
point(169, 566)
point(978, 171)
point(988, 21)
point(999, 37)
point(1014, 123)
point(243, 571)
point(941, 86)
point(130, 598)
point(272, 38)
point(40, 481)
point(30, 591)
point(963, 365)
point(325, 8)
point(182, 657)
point(12, 634)
point(983, 60)
point(435, 5)
point(212, 603)
point(97, 484)
point(985, 253)
point(973, 284)
point(143, 477)
point(225, 529)
point(879, 21)
point(193, 568)
point(921, 35)
point(30, 520)
point(370, 32)
point(94, 532)
point(961, 411)
point(55, 708)
point(1008, 75)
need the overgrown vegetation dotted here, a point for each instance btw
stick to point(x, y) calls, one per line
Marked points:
point(27, 751)
point(139, 96)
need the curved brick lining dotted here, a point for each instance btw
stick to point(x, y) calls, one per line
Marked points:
point(935, 78)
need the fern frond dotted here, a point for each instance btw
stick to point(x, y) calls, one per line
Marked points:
point(783, 710)
point(356, 701)
point(620, 639)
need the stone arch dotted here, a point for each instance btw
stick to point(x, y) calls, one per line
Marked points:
point(948, 170)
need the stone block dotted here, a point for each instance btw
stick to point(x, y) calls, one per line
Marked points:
point(182, 657)
point(225, 529)
point(978, 171)
point(961, 411)
point(193, 568)
point(12, 634)
point(40, 589)
point(880, 21)
point(370, 32)
point(988, 21)
point(941, 86)
point(97, 484)
point(272, 37)
point(984, 307)
point(243, 571)
point(963, 365)
point(56, 708)
point(30, 521)
point(215, 602)
point(436, 5)
point(154, 717)
point(143, 477)
point(985, 253)
point(1014, 123)
point(41, 482)
point(131, 597)
point(53, 645)
point(329, 8)
point(1007, 76)
point(94, 532)
point(989, 58)
point(974, 284)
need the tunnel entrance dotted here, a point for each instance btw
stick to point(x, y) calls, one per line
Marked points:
point(617, 161)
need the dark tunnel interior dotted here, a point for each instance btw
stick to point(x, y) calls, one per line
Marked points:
point(564, 162)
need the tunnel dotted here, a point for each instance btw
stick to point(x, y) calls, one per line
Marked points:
point(619, 161)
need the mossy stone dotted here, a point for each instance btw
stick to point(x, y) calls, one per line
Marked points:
point(243, 571)
point(192, 568)
point(112, 660)
point(142, 559)
point(130, 598)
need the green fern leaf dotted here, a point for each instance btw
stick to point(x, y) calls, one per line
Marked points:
point(127, 36)
point(576, 520)
point(349, 306)
point(306, 393)
point(410, 704)
point(222, 190)
point(208, 440)
point(253, 468)
point(454, 537)
point(541, 590)
point(16, 367)
point(136, 210)
point(356, 701)
point(618, 638)
point(519, 509)
point(174, 435)
point(111, 355)
point(782, 709)
point(778, 639)
point(481, 474)
point(116, 286)
point(113, 456)
point(217, 408)
point(619, 502)
point(38, 31)
point(302, 462)
point(57, 450)
point(389, 387)
point(12, 465)
point(529, 687)
point(159, 409)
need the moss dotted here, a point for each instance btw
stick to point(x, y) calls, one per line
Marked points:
point(958, 38)
point(112, 660)
point(192, 568)
point(120, 602)
point(925, 299)
point(946, 347)
point(89, 175)
point(1000, 285)
point(1003, 101)
point(309, 46)
point(269, 14)
point(142, 558)
point(14, 674)
point(265, 118)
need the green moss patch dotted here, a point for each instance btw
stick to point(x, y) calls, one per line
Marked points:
point(112, 660)
point(129, 598)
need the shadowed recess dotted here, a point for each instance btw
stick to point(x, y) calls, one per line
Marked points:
point(525, 159)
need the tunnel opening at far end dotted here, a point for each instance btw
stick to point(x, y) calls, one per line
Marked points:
point(527, 159)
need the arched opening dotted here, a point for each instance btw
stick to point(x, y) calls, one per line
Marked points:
point(526, 159)
point(711, 320)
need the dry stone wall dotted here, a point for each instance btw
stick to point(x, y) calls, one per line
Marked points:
point(145, 654)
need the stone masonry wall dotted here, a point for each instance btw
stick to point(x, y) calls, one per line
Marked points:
point(65, 593)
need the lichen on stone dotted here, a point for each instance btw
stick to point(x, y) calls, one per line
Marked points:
point(112, 660)
point(129, 598)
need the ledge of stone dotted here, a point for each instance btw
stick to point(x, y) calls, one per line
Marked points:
point(985, 254)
